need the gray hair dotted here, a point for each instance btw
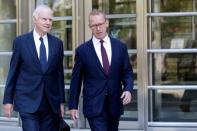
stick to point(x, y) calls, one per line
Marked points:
point(39, 8)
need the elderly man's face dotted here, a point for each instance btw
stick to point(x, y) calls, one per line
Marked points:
point(43, 22)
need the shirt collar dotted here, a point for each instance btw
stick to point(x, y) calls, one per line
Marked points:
point(37, 36)
point(95, 40)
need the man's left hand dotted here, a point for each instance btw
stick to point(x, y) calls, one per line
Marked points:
point(126, 97)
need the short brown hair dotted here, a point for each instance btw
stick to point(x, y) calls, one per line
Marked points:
point(97, 12)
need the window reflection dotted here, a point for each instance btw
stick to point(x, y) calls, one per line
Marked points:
point(173, 105)
point(172, 32)
point(4, 67)
point(60, 7)
point(133, 61)
point(131, 111)
point(67, 114)
point(7, 9)
point(188, 101)
point(115, 6)
point(67, 69)
point(63, 30)
point(125, 30)
point(7, 33)
point(172, 5)
point(171, 68)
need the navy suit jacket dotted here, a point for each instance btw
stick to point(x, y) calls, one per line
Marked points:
point(26, 81)
point(96, 83)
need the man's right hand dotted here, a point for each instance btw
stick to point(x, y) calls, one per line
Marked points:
point(74, 114)
point(8, 108)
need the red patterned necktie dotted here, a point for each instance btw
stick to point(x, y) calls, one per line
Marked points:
point(104, 58)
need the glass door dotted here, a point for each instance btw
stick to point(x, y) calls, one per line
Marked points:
point(173, 66)
point(11, 19)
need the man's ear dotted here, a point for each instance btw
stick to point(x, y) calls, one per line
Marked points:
point(34, 19)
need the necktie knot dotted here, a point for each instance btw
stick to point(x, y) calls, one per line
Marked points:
point(101, 41)
point(41, 39)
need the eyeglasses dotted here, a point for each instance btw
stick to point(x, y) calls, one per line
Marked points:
point(97, 25)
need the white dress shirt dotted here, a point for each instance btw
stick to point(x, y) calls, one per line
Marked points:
point(107, 46)
point(38, 42)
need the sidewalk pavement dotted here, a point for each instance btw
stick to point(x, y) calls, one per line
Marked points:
point(14, 128)
point(7, 128)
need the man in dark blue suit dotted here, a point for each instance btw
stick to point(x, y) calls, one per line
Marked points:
point(102, 64)
point(35, 83)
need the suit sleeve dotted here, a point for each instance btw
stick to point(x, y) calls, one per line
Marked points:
point(12, 74)
point(75, 87)
point(127, 78)
point(61, 74)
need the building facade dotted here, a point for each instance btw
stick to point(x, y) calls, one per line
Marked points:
point(162, 44)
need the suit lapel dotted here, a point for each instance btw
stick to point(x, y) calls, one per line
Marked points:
point(114, 54)
point(51, 48)
point(32, 49)
point(92, 49)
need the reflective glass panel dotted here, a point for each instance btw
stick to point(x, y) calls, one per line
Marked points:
point(4, 67)
point(7, 9)
point(7, 33)
point(173, 33)
point(60, 7)
point(115, 6)
point(173, 5)
point(66, 115)
point(63, 30)
point(125, 30)
point(173, 105)
point(133, 61)
point(173, 69)
point(67, 69)
point(131, 111)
